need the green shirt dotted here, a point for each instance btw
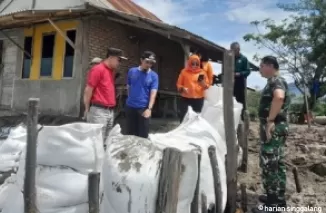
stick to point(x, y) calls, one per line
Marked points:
point(241, 65)
point(267, 98)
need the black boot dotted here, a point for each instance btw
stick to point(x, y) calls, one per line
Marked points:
point(280, 202)
point(271, 201)
point(262, 198)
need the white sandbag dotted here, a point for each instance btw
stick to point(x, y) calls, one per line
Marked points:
point(130, 174)
point(214, 94)
point(76, 145)
point(11, 148)
point(196, 131)
point(14, 202)
point(213, 113)
point(82, 208)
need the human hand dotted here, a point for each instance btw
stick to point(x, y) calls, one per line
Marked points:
point(147, 113)
point(185, 90)
point(237, 74)
point(85, 114)
point(270, 127)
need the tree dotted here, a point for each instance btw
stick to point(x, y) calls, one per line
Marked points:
point(299, 42)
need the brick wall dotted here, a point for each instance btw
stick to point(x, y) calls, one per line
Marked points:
point(170, 56)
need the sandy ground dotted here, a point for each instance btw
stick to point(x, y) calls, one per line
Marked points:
point(305, 149)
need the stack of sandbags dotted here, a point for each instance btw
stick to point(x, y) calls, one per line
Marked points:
point(213, 112)
point(131, 167)
point(11, 148)
point(65, 156)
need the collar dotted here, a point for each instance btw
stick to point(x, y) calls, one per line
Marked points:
point(106, 66)
point(139, 68)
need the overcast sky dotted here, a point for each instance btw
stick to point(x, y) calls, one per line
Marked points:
point(220, 21)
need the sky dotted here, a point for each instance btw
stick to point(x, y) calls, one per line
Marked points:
point(220, 21)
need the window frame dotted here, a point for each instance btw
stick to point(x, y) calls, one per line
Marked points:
point(64, 53)
point(36, 31)
point(23, 58)
point(53, 57)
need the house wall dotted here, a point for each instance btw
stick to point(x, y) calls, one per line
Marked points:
point(7, 73)
point(57, 96)
point(170, 56)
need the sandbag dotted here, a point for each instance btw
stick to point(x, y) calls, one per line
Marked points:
point(130, 174)
point(75, 145)
point(213, 113)
point(65, 156)
point(11, 148)
point(197, 132)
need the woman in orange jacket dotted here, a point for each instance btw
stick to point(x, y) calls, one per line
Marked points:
point(192, 83)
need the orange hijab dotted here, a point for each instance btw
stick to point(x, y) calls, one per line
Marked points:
point(193, 59)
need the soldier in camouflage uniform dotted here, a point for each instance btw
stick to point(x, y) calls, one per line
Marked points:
point(273, 108)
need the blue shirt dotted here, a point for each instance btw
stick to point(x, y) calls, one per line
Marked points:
point(140, 86)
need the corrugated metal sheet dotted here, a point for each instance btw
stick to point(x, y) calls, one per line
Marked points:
point(130, 7)
point(8, 7)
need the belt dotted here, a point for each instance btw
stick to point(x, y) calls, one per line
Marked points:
point(101, 106)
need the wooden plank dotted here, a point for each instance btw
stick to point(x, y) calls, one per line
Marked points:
point(170, 176)
point(71, 43)
point(204, 203)
point(216, 178)
point(195, 200)
point(231, 158)
point(31, 158)
point(244, 197)
point(93, 192)
point(244, 165)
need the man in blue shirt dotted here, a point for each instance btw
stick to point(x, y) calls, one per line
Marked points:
point(142, 90)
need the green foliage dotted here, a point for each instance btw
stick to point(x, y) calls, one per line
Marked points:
point(320, 109)
point(253, 103)
point(299, 42)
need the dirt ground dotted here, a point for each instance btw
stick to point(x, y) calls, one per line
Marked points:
point(305, 149)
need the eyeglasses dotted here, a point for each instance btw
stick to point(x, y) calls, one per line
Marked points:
point(194, 64)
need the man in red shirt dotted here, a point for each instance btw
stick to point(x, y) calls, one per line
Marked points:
point(99, 94)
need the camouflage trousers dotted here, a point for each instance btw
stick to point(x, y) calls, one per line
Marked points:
point(272, 160)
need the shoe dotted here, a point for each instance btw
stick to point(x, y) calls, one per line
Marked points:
point(263, 199)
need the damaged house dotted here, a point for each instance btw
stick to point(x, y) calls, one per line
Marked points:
point(46, 47)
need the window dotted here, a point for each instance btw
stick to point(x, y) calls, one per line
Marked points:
point(47, 55)
point(27, 61)
point(69, 55)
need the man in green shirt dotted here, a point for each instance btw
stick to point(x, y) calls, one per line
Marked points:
point(274, 103)
point(241, 72)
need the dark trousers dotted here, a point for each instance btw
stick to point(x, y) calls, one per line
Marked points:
point(239, 91)
point(137, 124)
point(195, 103)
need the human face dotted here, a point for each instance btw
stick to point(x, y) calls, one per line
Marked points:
point(195, 64)
point(236, 49)
point(114, 62)
point(266, 70)
point(146, 64)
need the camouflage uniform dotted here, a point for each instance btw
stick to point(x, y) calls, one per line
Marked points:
point(272, 151)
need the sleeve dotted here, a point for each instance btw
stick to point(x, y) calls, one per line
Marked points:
point(210, 73)
point(180, 82)
point(155, 83)
point(129, 78)
point(245, 71)
point(94, 77)
point(278, 84)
